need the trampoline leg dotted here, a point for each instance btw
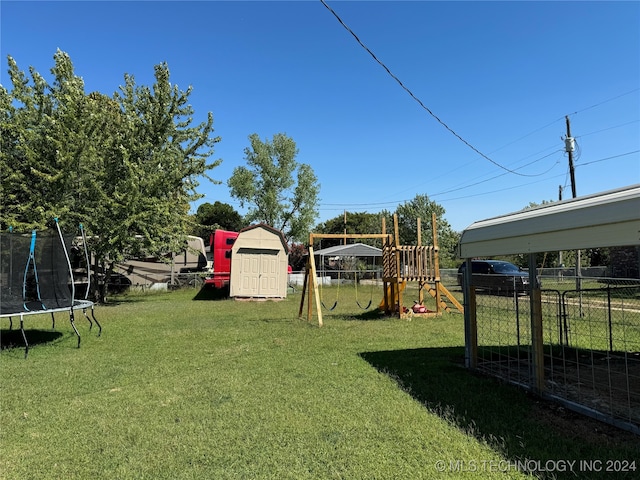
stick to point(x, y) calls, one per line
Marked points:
point(84, 311)
point(24, 337)
point(95, 320)
point(10, 323)
point(53, 321)
point(73, 324)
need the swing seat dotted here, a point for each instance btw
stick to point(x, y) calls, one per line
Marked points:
point(367, 306)
point(329, 308)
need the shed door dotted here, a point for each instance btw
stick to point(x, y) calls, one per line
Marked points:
point(259, 273)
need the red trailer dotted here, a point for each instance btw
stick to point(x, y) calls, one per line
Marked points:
point(220, 244)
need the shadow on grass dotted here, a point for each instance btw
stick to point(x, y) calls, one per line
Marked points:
point(519, 425)
point(364, 314)
point(369, 315)
point(121, 299)
point(209, 292)
point(10, 339)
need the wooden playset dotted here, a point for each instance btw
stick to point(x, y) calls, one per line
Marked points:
point(400, 264)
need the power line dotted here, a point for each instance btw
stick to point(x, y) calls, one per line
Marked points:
point(450, 199)
point(416, 98)
point(538, 181)
point(454, 189)
point(500, 175)
point(574, 113)
point(607, 158)
point(397, 202)
point(499, 190)
point(444, 124)
point(528, 134)
point(466, 185)
point(605, 101)
point(608, 128)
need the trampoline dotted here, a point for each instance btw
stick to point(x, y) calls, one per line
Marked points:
point(36, 278)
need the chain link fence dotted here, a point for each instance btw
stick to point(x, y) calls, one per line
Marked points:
point(120, 283)
point(590, 342)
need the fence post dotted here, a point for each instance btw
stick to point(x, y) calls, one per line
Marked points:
point(609, 318)
point(470, 319)
point(537, 350)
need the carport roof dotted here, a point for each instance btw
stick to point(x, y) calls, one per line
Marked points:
point(606, 219)
point(351, 250)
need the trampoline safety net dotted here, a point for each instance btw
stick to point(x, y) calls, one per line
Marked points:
point(34, 273)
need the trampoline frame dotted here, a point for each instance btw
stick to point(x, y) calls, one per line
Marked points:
point(83, 304)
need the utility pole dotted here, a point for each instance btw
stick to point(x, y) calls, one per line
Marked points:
point(569, 146)
point(560, 260)
point(344, 242)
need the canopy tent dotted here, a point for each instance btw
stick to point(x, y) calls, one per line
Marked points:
point(351, 250)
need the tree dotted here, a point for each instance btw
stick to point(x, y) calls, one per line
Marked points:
point(298, 256)
point(268, 186)
point(542, 259)
point(356, 222)
point(210, 217)
point(423, 208)
point(408, 213)
point(29, 154)
point(535, 205)
point(126, 167)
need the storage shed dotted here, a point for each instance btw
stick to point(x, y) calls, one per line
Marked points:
point(259, 261)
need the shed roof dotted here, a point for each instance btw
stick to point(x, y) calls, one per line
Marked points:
point(268, 228)
point(351, 250)
point(606, 219)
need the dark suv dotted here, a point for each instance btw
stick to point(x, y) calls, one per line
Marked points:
point(496, 276)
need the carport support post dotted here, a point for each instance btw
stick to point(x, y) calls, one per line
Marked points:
point(470, 319)
point(537, 352)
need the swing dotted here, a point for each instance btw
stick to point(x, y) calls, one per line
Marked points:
point(335, 304)
point(370, 297)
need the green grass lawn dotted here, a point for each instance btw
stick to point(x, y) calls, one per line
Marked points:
point(181, 388)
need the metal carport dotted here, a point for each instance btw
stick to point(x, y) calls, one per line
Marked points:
point(607, 219)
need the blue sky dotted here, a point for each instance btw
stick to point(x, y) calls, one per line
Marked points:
point(501, 75)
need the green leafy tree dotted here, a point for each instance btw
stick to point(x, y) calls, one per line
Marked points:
point(278, 190)
point(126, 167)
point(408, 214)
point(423, 208)
point(535, 205)
point(356, 222)
point(29, 152)
point(298, 253)
point(163, 156)
point(542, 259)
point(210, 217)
